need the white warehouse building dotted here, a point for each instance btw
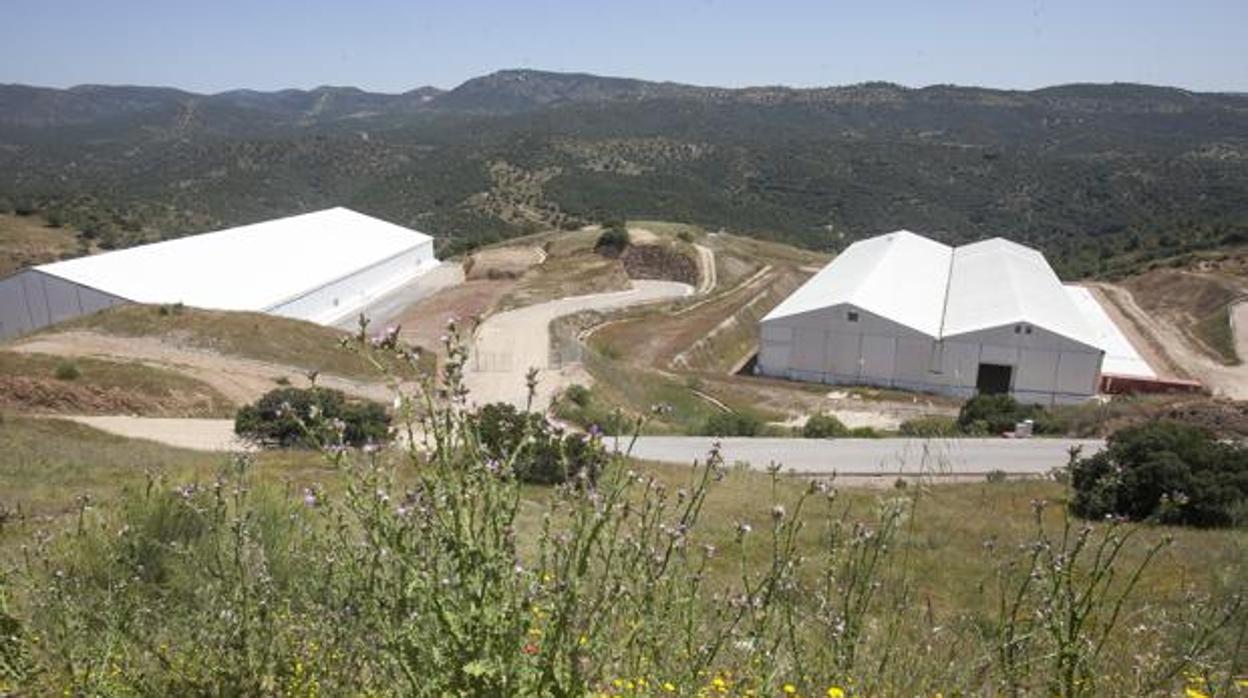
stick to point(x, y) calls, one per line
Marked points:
point(319, 266)
point(903, 311)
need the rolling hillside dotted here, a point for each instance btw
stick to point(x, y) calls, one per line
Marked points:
point(1093, 174)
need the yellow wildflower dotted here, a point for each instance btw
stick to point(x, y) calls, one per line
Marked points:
point(1194, 693)
point(836, 692)
point(790, 688)
point(669, 687)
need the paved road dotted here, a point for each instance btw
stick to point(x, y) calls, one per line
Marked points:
point(508, 344)
point(875, 457)
point(855, 461)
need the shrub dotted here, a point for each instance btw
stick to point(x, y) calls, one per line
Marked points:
point(579, 406)
point(731, 424)
point(537, 452)
point(1167, 471)
point(578, 395)
point(823, 426)
point(994, 414)
point(864, 433)
point(311, 418)
point(67, 371)
point(929, 427)
point(612, 241)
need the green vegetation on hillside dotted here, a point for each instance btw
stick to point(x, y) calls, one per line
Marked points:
point(28, 240)
point(1101, 177)
point(1215, 331)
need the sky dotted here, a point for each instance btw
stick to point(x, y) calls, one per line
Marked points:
point(396, 45)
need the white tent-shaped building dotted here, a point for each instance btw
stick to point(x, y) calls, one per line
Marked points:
point(900, 310)
point(319, 266)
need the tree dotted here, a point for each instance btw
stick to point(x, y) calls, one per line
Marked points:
point(1168, 471)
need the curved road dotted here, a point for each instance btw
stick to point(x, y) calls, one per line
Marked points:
point(508, 344)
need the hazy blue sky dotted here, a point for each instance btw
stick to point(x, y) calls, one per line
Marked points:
point(391, 45)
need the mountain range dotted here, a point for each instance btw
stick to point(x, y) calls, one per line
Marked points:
point(1087, 172)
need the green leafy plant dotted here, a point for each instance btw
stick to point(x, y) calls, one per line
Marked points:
point(1167, 471)
point(67, 371)
point(312, 418)
point(731, 424)
point(824, 426)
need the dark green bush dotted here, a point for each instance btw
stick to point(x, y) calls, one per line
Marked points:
point(1166, 471)
point(823, 426)
point(67, 371)
point(612, 241)
point(543, 454)
point(929, 427)
point(578, 395)
point(993, 414)
point(864, 433)
point(299, 417)
point(731, 424)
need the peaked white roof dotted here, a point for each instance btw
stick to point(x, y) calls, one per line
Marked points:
point(900, 276)
point(997, 282)
point(943, 291)
point(252, 267)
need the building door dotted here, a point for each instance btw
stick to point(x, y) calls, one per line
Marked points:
point(993, 379)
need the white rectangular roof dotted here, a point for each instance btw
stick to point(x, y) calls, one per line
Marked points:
point(1121, 358)
point(900, 276)
point(943, 291)
point(252, 267)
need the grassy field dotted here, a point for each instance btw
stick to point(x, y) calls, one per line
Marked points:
point(248, 335)
point(49, 384)
point(946, 559)
point(49, 464)
point(29, 240)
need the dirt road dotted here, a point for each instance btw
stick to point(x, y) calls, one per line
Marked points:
point(508, 344)
point(240, 380)
point(707, 279)
point(195, 434)
point(1169, 352)
point(1239, 326)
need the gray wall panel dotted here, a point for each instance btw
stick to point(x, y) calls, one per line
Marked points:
point(31, 299)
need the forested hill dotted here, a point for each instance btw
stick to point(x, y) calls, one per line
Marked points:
point(1086, 172)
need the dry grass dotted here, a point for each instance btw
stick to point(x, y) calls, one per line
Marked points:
point(256, 336)
point(564, 275)
point(29, 240)
point(1195, 302)
point(50, 463)
point(30, 383)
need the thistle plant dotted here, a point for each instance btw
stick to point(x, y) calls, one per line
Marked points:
point(428, 567)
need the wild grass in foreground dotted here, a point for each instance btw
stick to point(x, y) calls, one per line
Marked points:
point(429, 570)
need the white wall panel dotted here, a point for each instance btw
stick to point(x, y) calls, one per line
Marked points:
point(350, 293)
point(879, 356)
